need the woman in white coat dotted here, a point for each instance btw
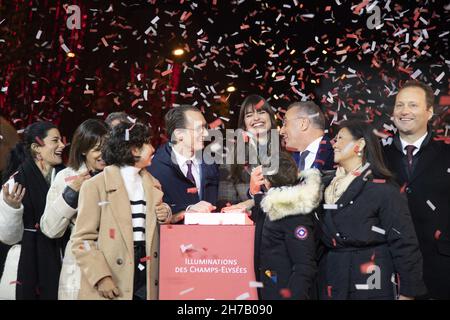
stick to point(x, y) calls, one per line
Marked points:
point(85, 160)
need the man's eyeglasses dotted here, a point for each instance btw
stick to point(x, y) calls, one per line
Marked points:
point(198, 129)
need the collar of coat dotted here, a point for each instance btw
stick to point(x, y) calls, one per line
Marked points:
point(294, 200)
point(114, 181)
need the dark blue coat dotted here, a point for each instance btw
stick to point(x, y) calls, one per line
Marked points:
point(175, 184)
point(324, 157)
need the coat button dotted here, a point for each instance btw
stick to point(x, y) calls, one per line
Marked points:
point(155, 254)
point(119, 261)
point(408, 190)
point(156, 282)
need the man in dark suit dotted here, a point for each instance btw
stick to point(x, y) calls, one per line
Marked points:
point(303, 133)
point(188, 183)
point(422, 168)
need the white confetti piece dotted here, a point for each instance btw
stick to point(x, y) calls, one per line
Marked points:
point(155, 20)
point(431, 205)
point(362, 286)
point(127, 134)
point(141, 267)
point(38, 34)
point(65, 48)
point(184, 248)
point(255, 284)
point(86, 245)
point(378, 230)
point(186, 291)
point(439, 77)
point(330, 206)
point(103, 203)
point(416, 74)
point(243, 296)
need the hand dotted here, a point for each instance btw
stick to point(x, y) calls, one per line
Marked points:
point(202, 206)
point(163, 213)
point(107, 288)
point(13, 199)
point(242, 206)
point(405, 298)
point(76, 184)
point(256, 180)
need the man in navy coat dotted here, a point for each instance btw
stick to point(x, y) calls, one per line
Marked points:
point(303, 133)
point(421, 164)
point(188, 183)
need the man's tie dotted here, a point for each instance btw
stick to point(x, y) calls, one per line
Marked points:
point(303, 156)
point(189, 174)
point(409, 153)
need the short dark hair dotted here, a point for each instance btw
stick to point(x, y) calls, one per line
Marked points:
point(252, 101)
point(117, 149)
point(287, 174)
point(175, 118)
point(121, 116)
point(372, 152)
point(86, 136)
point(429, 94)
point(313, 112)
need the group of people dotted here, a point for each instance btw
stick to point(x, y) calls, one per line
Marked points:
point(341, 218)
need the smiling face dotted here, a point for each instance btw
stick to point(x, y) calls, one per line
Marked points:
point(257, 122)
point(411, 114)
point(192, 138)
point(51, 151)
point(94, 159)
point(345, 147)
point(291, 131)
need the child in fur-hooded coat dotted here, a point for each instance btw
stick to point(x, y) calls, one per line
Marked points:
point(287, 253)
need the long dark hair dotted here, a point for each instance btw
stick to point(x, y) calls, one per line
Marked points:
point(22, 150)
point(238, 171)
point(372, 152)
point(86, 136)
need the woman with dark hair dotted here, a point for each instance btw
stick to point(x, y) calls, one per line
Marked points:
point(116, 236)
point(287, 254)
point(32, 267)
point(256, 120)
point(371, 248)
point(85, 161)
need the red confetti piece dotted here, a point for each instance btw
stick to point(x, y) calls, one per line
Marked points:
point(17, 282)
point(402, 189)
point(334, 242)
point(215, 123)
point(286, 293)
point(144, 259)
point(379, 181)
point(112, 233)
point(437, 234)
point(365, 267)
point(322, 162)
point(36, 226)
point(259, 104)
point(191, 190)
point(329, 288)
point(39, 141)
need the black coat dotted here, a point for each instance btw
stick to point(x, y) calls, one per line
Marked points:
point(428, 188)
point(354, 239)
point(175, 184)
point(40, 257)
point(286, 249)
point(324, 158)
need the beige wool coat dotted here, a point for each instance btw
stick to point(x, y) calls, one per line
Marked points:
point(103, 238)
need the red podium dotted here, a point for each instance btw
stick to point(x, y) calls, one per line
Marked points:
point(207, 262)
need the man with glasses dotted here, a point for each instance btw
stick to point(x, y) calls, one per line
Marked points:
point(303, 133)
point(188, 183)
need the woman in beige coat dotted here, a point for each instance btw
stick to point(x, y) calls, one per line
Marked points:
point(116, 237)
point(85, 161)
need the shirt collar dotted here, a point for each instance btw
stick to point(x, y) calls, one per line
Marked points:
point(314, 146)
point(417, 143)
point(181, 160)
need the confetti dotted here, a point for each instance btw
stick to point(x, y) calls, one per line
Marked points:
point(186, 291)
point(330, 206)
point(192, 190)
point(285, 293)
point(70, 179)
point(86, 245)
point(378, 230)
point(255, 284)
point(112, 234)
point(243, 296)
point(431, 205)
point(103, 203)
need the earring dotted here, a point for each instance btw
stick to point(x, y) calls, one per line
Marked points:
point(359, 154)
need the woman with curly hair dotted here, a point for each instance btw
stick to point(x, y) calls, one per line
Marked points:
point(116, 236)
